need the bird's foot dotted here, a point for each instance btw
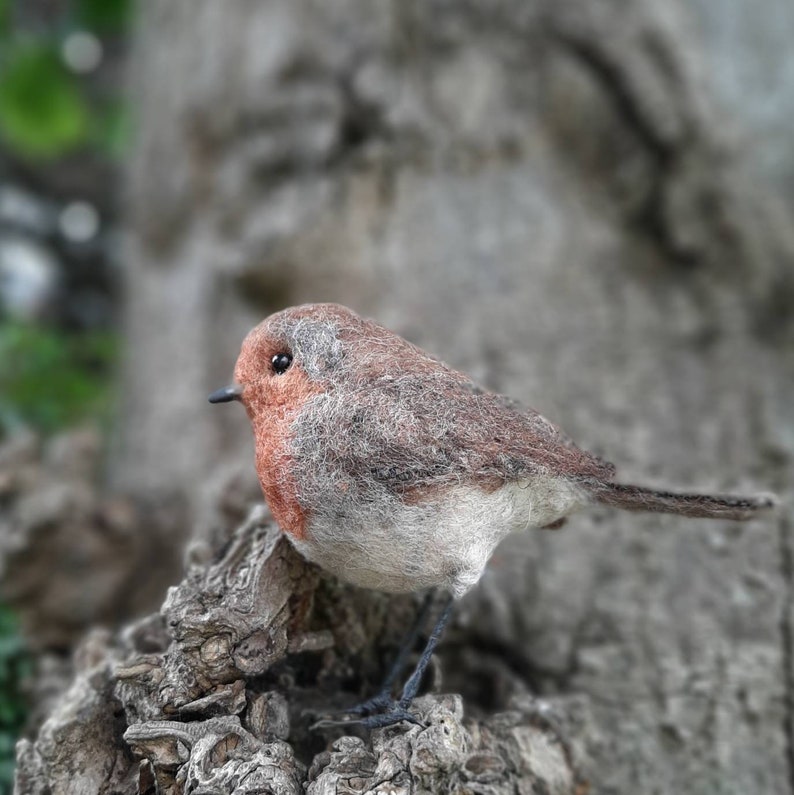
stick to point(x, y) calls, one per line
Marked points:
point(395, 714)
point(378, 703)
point(382, 710)
point(364, 715)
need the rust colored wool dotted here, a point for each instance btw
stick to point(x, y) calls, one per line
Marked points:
point(395, 471)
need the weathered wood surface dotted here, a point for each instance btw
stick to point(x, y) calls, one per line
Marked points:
point(216, 693)
point(586, 206)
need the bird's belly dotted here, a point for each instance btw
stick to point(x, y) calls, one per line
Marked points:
point(441, 542)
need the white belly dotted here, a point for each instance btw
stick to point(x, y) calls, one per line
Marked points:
point(445, 543)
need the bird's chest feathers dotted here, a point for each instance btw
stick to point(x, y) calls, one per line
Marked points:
point(275, 467)
point(442, 541)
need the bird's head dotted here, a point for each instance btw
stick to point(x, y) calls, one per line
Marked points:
point(291, 355)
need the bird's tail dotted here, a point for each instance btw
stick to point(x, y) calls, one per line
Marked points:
point(639, 498)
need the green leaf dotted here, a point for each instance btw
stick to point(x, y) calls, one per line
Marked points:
point(49, 379)
point(113, 129)
point(42, 112)
point(110, 16)
point(5, 17)
point(7, 772)
point(13, 707)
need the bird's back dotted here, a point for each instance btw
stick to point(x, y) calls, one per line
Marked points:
point(406, 436)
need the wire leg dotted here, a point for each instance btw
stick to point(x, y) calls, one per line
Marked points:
point(415, 679)
point(397, 711)
point(383, 697)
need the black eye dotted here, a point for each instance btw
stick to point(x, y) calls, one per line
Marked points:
point(280, 363)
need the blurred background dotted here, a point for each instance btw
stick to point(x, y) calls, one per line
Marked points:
point(586, 205)
point(64, 134)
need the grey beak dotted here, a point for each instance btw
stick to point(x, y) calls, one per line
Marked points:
point(226, 395)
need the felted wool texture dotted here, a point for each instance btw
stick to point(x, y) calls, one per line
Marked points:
point(696, 506)
point(385, 465)
point(394, 471)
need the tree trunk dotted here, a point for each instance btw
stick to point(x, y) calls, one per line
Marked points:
point(218, 692)
point(560, 198)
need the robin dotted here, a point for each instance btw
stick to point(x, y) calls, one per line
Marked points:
point(396, 472)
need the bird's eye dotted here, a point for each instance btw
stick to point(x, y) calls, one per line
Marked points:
point(280, 363)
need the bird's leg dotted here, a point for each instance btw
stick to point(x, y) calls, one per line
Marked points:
point(415, 679)
point(397, 711)
point(383, 697)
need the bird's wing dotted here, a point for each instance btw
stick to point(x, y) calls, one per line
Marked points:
point(423, 430)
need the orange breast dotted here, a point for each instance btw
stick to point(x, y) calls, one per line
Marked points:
point(274, 468)
point(273, 409)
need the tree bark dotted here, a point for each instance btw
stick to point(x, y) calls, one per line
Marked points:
point(557, 197)
point(212, 694)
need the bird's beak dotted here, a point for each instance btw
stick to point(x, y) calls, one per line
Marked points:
point(226, 395)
